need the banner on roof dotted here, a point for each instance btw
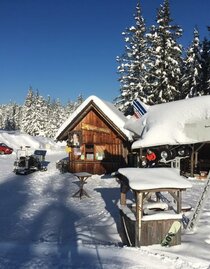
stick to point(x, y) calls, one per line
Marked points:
point(139, 109)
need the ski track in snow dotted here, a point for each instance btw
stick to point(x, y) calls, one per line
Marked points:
point(43, 226)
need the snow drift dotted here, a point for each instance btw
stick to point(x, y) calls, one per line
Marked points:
point(15, 139)
point(180, 122)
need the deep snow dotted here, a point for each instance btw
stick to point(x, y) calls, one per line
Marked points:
point(43, 226)
point(184, 121)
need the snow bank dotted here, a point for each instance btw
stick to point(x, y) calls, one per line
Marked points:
point(15, 139)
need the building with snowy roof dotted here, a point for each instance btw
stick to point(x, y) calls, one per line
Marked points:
point(96, 138)
point(178, 128)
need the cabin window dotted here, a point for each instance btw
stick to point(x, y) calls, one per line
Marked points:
point(100, 152)
point(89, 152)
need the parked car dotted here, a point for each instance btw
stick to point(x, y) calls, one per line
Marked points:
point(4, 149)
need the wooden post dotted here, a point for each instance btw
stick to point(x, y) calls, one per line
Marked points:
point(179, 202)
point(177, 195)
point(140, 157)
point(139, 213)
point(192, 162)
point(123, 198)
point(124, 188)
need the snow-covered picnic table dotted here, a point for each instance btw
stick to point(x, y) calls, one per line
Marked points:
point(154, 178)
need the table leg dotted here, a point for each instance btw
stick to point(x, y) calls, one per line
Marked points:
point(81, 192)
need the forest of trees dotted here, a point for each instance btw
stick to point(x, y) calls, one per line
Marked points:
point(37, 116)
point(156, 68)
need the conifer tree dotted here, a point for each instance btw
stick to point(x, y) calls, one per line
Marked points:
point(70, 107)
point(1, 116)
point(51, 118)
point(17, 115)
point(132, 67)
point(39, 119)
point(79, 101)
point(11, 117)
point(192, 76)
point(165, 58)
point(57, 116)
point(28, 112)
point(205, 65)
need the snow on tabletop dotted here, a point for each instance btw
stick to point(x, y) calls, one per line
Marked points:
point(162, 216)
point(154, 178)
point(180, 122)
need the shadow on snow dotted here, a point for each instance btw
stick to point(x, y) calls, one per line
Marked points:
point(22, 238)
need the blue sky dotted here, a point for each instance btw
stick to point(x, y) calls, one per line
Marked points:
point(65, 48)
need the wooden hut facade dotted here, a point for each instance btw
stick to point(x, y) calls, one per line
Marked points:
point(96, 140)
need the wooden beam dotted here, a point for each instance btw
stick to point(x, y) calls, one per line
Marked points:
point(139, 214)
point(124, 188)
point(140, 157)
point(177, 197)
point(192, 162)
point(179, 204)
point(174, 195)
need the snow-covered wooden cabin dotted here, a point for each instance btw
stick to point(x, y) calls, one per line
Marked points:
point(180, 128)
point(96, 139)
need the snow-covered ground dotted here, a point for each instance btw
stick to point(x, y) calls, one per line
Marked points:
point(43, 226)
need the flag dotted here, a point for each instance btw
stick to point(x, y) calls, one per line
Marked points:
point(139, 109)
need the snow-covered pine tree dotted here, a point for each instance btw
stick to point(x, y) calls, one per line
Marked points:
point(8, 123)
point(132, 67)
point(10, 116)
point(69, 108)
point(40, 116)
point(28, 112)
point(205, 65)
point(51, 118)
point(12, 113)
point(34, 114)
point(1, 116)
point(79, 101)
point(192, 70)
point(165, 58)
point(17, 115)
point(57, 117)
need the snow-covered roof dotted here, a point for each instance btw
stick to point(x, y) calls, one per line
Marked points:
point(180, 122)
point(108, 109)
point(154, 178)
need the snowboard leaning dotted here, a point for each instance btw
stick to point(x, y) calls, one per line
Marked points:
point(171, 233)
